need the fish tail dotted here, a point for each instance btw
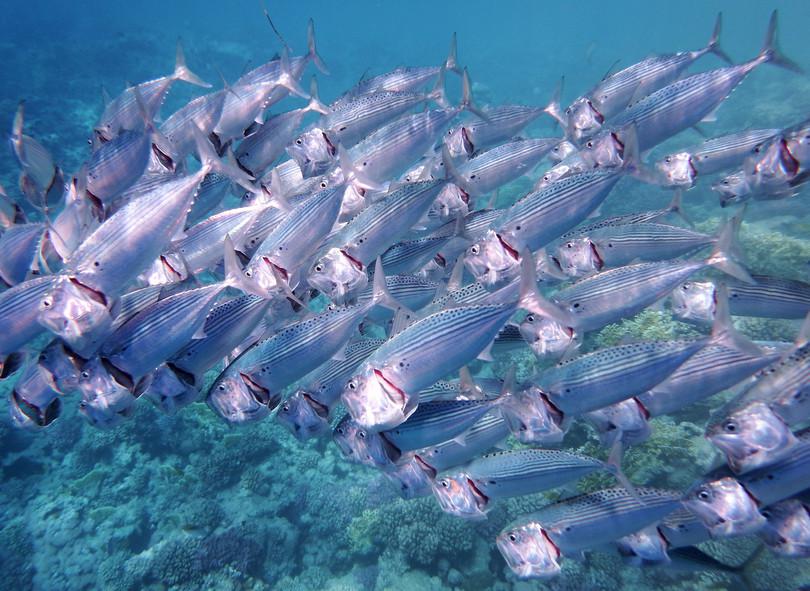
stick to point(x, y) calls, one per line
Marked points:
point(713, 46)
point(211, 162)
point(723, 331)
point(286, 77)
point(676, 207)
point(438, 93)
point(467, 102)
point(315, 103)
point(726, 250)
point(182, 71)
point(771, 53)
point(361, 179)
point(380, 294)
point(451, 63)
point(553, 108)
point(530, 298)
point(614, 466)
point(312, 50)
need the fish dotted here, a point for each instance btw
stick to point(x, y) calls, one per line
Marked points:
point(19, 319)
point(35, 401)
point(586, 115)
point(532, 418)
point(40, 178)
point(342, 272)
point(534, 545)
point(488, 432)
point(503, 474)
point(20, 245)
point(767, 297)
point(680, 105)
point(502, 123)
point(727, 152)
point(384, 392)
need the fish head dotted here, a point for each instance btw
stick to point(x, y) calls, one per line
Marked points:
point(338, 275)
point(411, 479)
point(562, 151)
point(724, 507)
point(643, 548)
point(34, 401)
point(303, 416)
point(693, 301)
point(361, 446)
point(773, 164)
point(546, 337)
point(492, 261)
point(260, 271)
point(62, 364)
point(579, 257)
point(797, 143)
point(787, 531)
point(105, 402)
point(751, 437)
point(345, 436)
point(170, 392)
point(459, 142)
point(167, 268)
point(677, 170)
point(77, 314)
point(531, 417)
point(529, 552)
point(375, 402)
point(354, 201)
point(627, 420)
point(458, 495)
point(584, 119)
point(733, 188)
point(434, 270)
point(238, 399)
point(451, 202)
point(313, 152)
point(604, 150)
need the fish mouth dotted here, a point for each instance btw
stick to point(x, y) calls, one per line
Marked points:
point(330, 147)
point(40, 417)
point(119, 375)
point(467, 142)
point(597, 115)
point(94, 294)
point(320, 409)
point(281, 270)
point(390, 388)
point(597, 257)
point(643, 409)
point(170, 267)
point(481, 500)
point(355, 263)
point(508, 248)
point(427, 468)
point(789, 161)
point(551, 542)
point(693, 173)
point(259, 393)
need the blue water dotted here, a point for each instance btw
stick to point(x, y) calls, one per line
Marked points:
point(187, 503)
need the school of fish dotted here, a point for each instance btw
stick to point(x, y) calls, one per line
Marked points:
point(342, 274)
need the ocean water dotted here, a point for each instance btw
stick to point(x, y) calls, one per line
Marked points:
point(186, 502)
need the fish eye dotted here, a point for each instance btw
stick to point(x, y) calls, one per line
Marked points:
point(589, 144)
point(340, 430)
point(512, 538)
point(475, 249)
point(530, 318)
point(86, 375)
point(299, 141)
point(730, 427)
point(324, 184)
point(704, 495)
point(221, 387)
point(46, 303)
point(285, 407)
point(361, 434)
point(352, 385)
point(568, 111)
point(667, 159)
point(318, 268)
point(445, 484)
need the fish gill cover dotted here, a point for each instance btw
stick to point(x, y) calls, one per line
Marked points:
point(361, 296)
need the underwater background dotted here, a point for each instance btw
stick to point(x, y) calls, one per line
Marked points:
point(185, 502)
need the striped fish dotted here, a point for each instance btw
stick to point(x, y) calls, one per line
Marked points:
point(535, 543)
point(610, 375)
point(19, 245)
point(678, 106)
point(486, 433)
point(341, 273)
point(203, 112)
point(534, 221)
point(117, 164)
point(614, 246)
point(727, 152)
point(19, 313)
point(503, 122)
point(585, 116)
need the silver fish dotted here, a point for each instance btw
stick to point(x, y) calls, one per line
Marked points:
point(787, 531)
point(531, 418)
point(534, 544)
point(585, 115)
point(486, 433)
point(35, 400)
point(503, 123)
point(19, 313)
point(20, 245)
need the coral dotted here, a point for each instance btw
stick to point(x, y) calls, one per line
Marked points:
point(15, 556)
point(176, 562)
point(649, 325)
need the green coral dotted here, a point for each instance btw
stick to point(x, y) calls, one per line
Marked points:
point(649, 325)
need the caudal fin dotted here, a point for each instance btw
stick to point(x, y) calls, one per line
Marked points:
point(182, 71)
point(676, 206)
point(315, 103)
point(467, 102)
point(614, 466)
point(286, 77)
point(451, 63)
point(530, 298)
point(723, 331)
point(380, 294)
point(312, 50)
point(726, 251)
point(211, 162)
point(553, 108)
point(713, 46)
point(771, 53)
